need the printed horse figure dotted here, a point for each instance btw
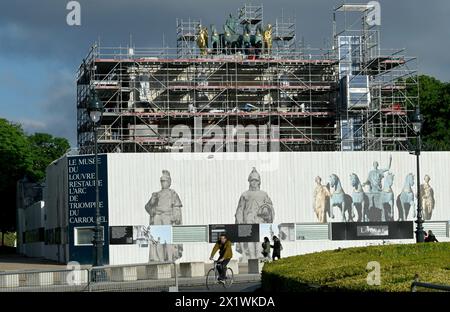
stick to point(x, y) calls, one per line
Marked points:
point(405, 201)
point(340, 199)
point(387, 198)
point(360, 200)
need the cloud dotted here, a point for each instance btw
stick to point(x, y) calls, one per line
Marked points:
point(32, 126)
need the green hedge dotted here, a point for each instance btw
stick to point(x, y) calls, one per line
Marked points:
point(345, 269)
point(9, 239)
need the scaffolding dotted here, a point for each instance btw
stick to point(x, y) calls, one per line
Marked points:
point(378, 87)
point(295, 100)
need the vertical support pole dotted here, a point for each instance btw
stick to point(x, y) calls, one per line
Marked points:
point(419, 229)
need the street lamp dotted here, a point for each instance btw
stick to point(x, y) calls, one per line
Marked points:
point(95, 110)
point(417, 123)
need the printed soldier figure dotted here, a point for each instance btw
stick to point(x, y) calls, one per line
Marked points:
point(164, 208)
point(254, 206)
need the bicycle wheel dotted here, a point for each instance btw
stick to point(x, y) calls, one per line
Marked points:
point(229, 280)
point(211, 279)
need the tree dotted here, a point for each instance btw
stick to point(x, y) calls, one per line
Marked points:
point(434, 99)
point(22, 156)
point(44, 149)
point(15, 162)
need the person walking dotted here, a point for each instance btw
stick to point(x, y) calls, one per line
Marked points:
point(266, 248)
point(277, 248)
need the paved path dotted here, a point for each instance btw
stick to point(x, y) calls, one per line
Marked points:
point(236, 287)
point(17, 262)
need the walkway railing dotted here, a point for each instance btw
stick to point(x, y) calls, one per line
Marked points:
point(158, 276)
point(417, 283)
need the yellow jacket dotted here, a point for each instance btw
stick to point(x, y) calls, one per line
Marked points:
point(225, 251)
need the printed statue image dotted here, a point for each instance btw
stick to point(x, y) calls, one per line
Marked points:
point(360, 200)
point(254, 206)
point(321, 200)
point(405, 200)
point(374, 204)
point(164, 208)
point(375, 176)
point(427, 198)
point(339, 199)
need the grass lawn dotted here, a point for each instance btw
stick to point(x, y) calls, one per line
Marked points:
point(345, 269)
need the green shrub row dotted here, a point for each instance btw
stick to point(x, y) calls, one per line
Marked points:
point(346, 269)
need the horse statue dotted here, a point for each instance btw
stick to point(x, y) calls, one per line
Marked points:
point(360, 200)
point(267, 37)
point(202, 39)
point(387, 198)
point(215, 39)
point(232, 40)
point(340, 199)
point(258, 41)
point(246, 39)
point(405, 200)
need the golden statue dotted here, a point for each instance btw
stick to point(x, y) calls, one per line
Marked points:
point(267, 38)
point(202, 39)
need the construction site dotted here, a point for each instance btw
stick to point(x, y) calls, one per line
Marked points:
point(252, 76)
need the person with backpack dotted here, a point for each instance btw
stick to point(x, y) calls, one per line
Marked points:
point(266, 248)
point(277, 248)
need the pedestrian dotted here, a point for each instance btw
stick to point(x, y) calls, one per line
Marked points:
point(277, 248)
point(430, 238)
point(266, 248)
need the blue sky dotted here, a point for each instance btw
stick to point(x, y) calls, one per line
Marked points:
point(40, 53)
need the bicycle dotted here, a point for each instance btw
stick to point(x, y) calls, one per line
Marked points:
point(212, 278)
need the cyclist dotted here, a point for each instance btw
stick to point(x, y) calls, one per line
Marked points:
point(225, 255)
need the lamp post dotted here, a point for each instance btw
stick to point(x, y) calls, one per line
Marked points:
point(417, 123)
point(95, 110)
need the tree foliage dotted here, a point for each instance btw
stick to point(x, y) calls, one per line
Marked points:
point(20, 156)
point(434, 100)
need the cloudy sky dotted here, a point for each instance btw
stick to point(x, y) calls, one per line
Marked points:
point(39, 52)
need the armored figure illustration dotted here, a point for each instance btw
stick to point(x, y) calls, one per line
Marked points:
point(375, 176)
point(321, 200)
point(164, 208)
point(427, 198)
point(255, 206)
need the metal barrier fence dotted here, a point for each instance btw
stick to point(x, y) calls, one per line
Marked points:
point(158, 276)
point(48, 280)
point(417, 283)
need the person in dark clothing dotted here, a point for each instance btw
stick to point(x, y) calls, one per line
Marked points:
point(430, 238)
point(277, 247)
point(223, 245)
point(266, 248)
